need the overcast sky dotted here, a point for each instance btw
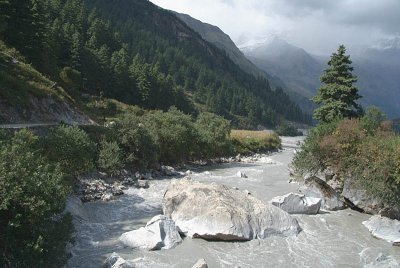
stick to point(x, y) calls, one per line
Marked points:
point(315, 25)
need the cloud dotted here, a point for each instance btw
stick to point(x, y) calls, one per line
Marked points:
point(316, 25)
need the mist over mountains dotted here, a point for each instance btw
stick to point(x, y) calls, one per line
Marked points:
point(377, 68)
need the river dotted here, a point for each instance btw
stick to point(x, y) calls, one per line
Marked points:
point(329, 239)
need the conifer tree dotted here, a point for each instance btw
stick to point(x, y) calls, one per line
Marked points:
point(338, 95)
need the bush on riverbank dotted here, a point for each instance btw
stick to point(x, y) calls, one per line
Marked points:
point(364, 149)
point(286, 129)
point(247, 142)
point(32, 194)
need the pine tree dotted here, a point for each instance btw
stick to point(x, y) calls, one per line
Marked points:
point(338, 95)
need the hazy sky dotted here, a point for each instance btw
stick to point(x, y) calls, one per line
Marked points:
point(316, 25)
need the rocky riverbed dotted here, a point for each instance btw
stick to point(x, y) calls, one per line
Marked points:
point(327, 239)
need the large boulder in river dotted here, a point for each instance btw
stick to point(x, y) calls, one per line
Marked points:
point(218, 212)
point(297, 204)
point(384, 228)
point(358, 196)
point(315, 187)
point(159, 233)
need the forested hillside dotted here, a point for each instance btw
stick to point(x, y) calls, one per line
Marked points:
point(139, 54)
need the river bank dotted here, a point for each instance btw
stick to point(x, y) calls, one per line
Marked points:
point(332, 239)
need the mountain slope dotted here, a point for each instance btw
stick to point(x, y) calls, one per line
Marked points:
point(216, 36)
point(221, 40)
point(26, 95)
point(140, 54)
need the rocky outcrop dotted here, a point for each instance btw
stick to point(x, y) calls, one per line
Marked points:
point(384, 228)
point(201, 263)
point(159, 233)
point(241, 174)
point(115, 261)
point(75, 207)
point(218, 212)
point(297, 204)
point(315, 187)
point(358, 197)
point(48, 109)
point(97, 189)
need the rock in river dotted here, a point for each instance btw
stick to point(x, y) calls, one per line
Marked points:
point(159, 233)
point(384, 228)
point(315, 187)
point(297, 204)
point(218, 212)
point(115, 261)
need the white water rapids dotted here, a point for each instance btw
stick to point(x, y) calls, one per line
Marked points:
point(331, 239)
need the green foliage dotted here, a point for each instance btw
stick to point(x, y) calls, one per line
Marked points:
point(31, 194)
point(249, 142)
point(373, 119)
point(311, 159)
point(72, 148)
point(356, 149)
point(286, 129)
point(338, 95)
point(174, 133)
point(136, 141)
point(213, 132)
point(111, 156)
point(71, 79)
point(20, 81)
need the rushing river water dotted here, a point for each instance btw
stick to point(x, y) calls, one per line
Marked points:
point(331, 239)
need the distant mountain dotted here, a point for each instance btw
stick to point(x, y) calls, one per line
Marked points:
point(217, 37)
point(298, 69)
point(377, 68)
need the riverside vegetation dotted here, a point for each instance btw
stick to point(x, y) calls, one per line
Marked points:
point(37, 172)
point(350, 143)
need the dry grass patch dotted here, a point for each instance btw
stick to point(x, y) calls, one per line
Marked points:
point(248, 141)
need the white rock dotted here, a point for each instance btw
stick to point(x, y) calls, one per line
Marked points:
point(297, 204)
point(384, 228)
point(159, 233)
point(75, 207)
point(201, 263)
point(115, 261)
point(218, 212)
point(315, 187)
point(241, 174)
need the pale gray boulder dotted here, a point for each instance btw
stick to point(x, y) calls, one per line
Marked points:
point(359, 197)
point(218, 212)
point(159, 233)
point(384, 228)
point(201, 263)
point(294, 203)
point(315, 187)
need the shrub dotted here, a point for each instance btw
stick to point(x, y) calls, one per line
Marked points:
point(213, 131)
point(72, 148)
point(378, 167)
point(247, 142)
point(136, 141)
point(110, 156)
point(373, 119)
point(310, 158)
point(174, 134)
point(31, 193)
point(286, 129)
